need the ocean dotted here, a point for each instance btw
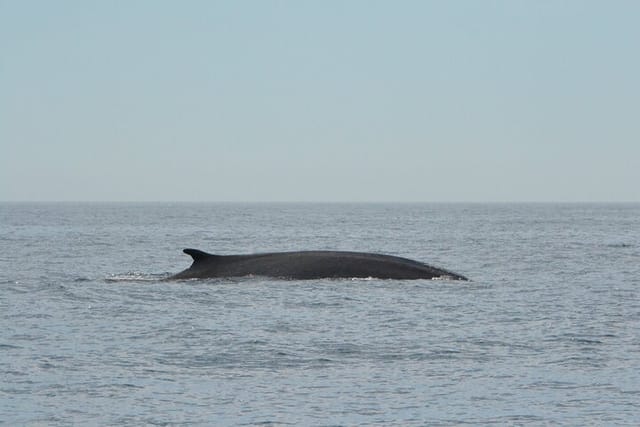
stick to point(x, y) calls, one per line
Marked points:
point(546, 332)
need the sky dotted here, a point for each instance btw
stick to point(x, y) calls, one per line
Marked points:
point(345, 101)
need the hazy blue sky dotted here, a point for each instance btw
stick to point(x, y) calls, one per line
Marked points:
point(323, 100)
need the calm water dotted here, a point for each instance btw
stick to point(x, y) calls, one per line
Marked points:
point(546, 333)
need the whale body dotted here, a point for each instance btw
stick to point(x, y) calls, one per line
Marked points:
point(306, 265)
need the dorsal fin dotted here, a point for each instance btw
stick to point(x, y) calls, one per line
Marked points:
point(197, 255)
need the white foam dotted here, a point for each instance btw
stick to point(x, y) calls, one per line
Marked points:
point(135, 276)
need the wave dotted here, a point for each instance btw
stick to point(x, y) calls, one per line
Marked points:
point(620, 245)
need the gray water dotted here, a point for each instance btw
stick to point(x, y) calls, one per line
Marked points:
point(547, 332)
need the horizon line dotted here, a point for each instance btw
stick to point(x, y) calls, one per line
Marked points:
point(333, 201)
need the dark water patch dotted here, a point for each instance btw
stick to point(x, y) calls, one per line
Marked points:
point(514, 419)
point(620, 245)
point(342, 349)
point(280, 327)
point(26, 316)
point(584, 361)
point(10, 347)
point(549, 384)
point(579, 339)
point(268, 423)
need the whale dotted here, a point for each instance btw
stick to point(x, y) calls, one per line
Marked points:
point(307, 265)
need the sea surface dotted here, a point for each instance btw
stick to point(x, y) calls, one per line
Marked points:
point(547, 332)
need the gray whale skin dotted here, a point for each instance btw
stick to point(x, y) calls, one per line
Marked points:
point(310, 265)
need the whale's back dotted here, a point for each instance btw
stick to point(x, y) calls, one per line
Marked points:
point(311, 265)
